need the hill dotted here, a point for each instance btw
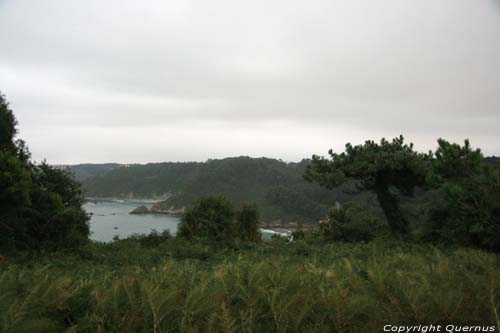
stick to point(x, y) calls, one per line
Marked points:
point(88, 170)
point(277, 187)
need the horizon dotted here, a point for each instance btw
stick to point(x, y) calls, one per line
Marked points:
point(205, 161)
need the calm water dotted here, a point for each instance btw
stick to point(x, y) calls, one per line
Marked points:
point(111, 218)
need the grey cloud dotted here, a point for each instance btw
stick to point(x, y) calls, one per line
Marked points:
point(329, 71)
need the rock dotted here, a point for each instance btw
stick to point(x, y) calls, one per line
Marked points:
point(140, 210)
point(157, 208)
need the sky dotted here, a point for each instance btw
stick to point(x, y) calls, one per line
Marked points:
point(150, 81)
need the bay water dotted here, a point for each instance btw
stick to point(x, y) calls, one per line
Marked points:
point(111, 217)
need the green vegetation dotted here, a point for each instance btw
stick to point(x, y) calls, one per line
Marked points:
point(40, 206)
point(466, 205)
point(85, 171)
point(276, 187)
point(350, 223)
point(247, 219)
point(214, 218)
point(381, 168)
point(304, 286)
point(460, 198)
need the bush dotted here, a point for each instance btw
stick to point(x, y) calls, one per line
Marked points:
point(211, 217)
point(351, 224)
point(153, 239)
point(215, 219)
point(298, 234)
point(247, 219)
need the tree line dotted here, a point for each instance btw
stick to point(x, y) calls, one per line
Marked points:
point(463, 190)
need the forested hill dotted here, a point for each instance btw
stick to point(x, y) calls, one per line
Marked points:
point(88, 170)
point(277, 187)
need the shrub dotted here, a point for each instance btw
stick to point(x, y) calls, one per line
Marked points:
point(215, 219)
point(211, 217)
point(247, 219)
point(153, 239)
point(351, 223)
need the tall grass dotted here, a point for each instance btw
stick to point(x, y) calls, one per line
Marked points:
point(272, 287)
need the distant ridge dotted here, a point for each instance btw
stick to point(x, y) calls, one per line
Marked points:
point(88, 170)
point(276, 186)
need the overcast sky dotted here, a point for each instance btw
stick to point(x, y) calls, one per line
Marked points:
point(150, 81)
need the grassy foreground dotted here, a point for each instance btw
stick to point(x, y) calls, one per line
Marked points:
point(184, 287)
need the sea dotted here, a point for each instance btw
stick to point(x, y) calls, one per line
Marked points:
point(111, 218)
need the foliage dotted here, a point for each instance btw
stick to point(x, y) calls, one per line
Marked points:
point(8, 126)
point(296, 203)
point(351, 224)
point(56, 216)
point(153, 239)
point(382, 168)
point(8, 132)
point(298, 233)
point(85, 171)
point(247, 219)
point(211, 217)
point(15, 187)
point(214, 218)
point(466, 209)
point(16, 182)
point(271, 287)
point(453, 162)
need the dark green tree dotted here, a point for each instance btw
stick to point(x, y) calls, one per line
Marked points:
point(8, 131)
point(15, 188)
point(210, 218)
point(466, 204)
point(389, 169)
point(57, 209)
point(8, 125)
point(453, 162)
point(247, 219)
point(350, 223)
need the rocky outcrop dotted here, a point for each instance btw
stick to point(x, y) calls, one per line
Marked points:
point(141, 210)
point(156, 208)
point(159, 209)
